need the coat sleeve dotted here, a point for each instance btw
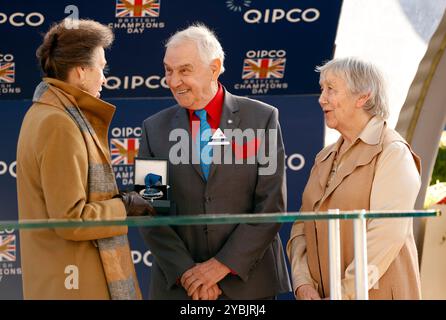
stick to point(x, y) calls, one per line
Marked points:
point(297, 254)
point(62, 156)
point(395, 187)
point(248, 242)
point(167, 247)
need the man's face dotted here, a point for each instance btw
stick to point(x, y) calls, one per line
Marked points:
point(188, 77)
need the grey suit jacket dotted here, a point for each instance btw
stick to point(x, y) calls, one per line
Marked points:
point(253, 251)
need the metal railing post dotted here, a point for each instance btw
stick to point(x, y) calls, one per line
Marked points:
point(334, 256)
point(361, 275)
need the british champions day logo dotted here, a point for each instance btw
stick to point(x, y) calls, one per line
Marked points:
point(124, 151)
point(9, 265)
point(7, 247)
point(268, 68)
point(7, 72)
point(7, 75)
point(263, 71)
point(124, 147)
point(135, 16)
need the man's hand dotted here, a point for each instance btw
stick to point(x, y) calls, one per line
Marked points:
point(206, 274)
point(307, 292)
point(210, 294)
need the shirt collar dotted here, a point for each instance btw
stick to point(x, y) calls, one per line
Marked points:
point(371, 134)
point(214, 107)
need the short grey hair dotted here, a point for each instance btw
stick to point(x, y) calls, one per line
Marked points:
point(361, 77)
point(208, 46)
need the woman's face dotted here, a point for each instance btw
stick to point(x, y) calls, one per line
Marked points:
point(337, 102)
point(94, 74)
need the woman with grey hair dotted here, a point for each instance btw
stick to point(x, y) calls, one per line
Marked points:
point(370, 167)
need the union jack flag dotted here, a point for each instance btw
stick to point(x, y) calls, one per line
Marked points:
point(263, 68)
point(137, 8)
point(7, 71)
point(124, 151)
point(7, 248)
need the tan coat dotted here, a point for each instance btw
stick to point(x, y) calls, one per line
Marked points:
point(52, 174)
point(350, 190)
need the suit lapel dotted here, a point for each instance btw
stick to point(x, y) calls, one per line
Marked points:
point(229, 120)
point(322, 168)
point(324, 162)
point(181, 121)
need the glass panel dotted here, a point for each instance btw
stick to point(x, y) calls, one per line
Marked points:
point(214, 219)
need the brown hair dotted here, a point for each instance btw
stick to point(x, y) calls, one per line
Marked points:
point(63, 49)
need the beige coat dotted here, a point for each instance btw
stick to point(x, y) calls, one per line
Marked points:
point(52, 171)
point(350, 190)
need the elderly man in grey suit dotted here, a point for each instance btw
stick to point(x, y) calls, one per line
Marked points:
point(215, 261)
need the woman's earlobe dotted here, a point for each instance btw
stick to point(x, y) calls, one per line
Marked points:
point(362, 100)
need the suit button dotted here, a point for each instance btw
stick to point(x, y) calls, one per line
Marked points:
point(207, 199)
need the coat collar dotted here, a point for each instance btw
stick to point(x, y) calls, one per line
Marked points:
point(371, 135)
point(366, 147)
point(63, 95)
point(85, 101)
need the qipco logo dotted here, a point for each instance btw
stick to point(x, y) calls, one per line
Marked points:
point(6, 57)
point(20, 19)
point(6, 231)
point(138, 257)
point(295, 162)
point(251, 54)
point(134, 82)
point(126, 132)
point(5, 168)
point(294, 15)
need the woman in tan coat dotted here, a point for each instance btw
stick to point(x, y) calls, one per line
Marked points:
point(370, 167)
point(64, 172)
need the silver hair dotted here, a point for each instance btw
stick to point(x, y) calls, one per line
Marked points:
point(208, 46)
point(361, 78)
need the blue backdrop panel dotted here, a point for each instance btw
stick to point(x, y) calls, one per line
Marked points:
point(271, 47)
point(11, 114)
